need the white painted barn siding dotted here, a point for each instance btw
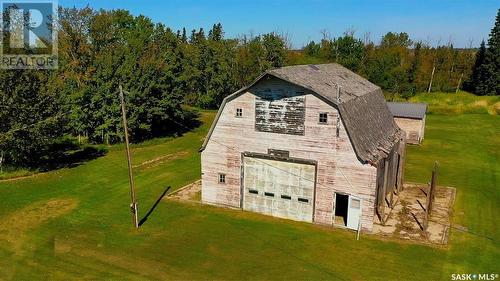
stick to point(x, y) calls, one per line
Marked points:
point(334, 155)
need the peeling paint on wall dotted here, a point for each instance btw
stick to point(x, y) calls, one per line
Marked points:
point(280, 111)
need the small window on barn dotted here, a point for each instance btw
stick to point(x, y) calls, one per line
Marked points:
point(239, 112)
point(323, 118)
point(303, 200)
point(222, 178)
point(270, 194)
point(253, 191)
point(287, 197)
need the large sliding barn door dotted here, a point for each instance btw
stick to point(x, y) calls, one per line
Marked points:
point(279, 188)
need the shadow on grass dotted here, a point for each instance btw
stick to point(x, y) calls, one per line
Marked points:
point(145, 218)
point(189, 120)
point(68, 154)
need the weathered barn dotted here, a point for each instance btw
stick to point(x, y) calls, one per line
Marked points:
point(411, 118)
point(312, 143)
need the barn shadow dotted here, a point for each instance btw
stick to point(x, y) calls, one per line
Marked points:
point(145, 218)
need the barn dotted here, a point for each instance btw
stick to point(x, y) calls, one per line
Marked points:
point(313, 143)
point(411, 118)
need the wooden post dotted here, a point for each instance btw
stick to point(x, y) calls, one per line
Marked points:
point(430, 196)
point(133, 205)
point(432, 190)
point(384, 189)
point(425, 223)
point(402, 167)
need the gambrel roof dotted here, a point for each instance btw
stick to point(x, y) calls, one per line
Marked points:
point(363, 110)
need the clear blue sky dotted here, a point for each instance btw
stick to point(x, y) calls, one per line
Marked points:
point(430, 21)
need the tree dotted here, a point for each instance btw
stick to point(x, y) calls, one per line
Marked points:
point(485, 78)
point(32, 119)
point(275, 49)
point(492, 59)
point(312, 49)
point(349, 51)
point(393, 39)
point(216, 33)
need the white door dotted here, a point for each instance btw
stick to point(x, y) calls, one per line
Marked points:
point(279, 188)
point(353, 212)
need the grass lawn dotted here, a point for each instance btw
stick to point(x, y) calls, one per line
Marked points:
point(459, 103)
point(75, 223)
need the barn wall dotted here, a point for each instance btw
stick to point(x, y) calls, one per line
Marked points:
point(338, 167)
point(414, 129)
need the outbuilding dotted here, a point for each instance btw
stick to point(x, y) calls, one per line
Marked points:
point(314, 143)
point(411, 118)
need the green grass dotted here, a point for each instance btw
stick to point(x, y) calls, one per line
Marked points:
point(459, 103)
point(90, 236)
point(12, 172)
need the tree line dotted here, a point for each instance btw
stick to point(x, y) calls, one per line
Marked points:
point(167, 73)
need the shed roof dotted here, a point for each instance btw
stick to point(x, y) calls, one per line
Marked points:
point(408, 110)
point(363, 110)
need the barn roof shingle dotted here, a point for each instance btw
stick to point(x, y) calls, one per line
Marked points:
point(408, 110)
point(363, 110)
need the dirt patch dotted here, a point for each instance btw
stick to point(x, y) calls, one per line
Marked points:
point(405, 219)
point(190, 192)
point(495, 109)
point(159, 160)
point(15, 226)
point(16, 178)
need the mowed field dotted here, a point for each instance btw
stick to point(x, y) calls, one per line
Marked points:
point(75, 223)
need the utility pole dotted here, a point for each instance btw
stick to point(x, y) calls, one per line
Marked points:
point(133, 205)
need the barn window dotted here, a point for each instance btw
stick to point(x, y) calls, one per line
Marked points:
point(239, 112)
point(304, 200)
point(253, 191)
point(222, 178)
point(323, 118)
point(269, 194)
point(288, 197)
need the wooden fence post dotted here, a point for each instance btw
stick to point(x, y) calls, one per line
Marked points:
point(384, 189)
point(430, 196)
point(432, 190)
point(425, 223)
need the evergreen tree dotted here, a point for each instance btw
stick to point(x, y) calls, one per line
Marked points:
point(485, 78)
point(492, 59)
point(478, 73)
point(216, 33)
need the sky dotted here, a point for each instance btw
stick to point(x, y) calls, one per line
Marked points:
point(464, 23)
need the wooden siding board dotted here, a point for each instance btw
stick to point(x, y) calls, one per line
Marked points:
point(412, 125)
